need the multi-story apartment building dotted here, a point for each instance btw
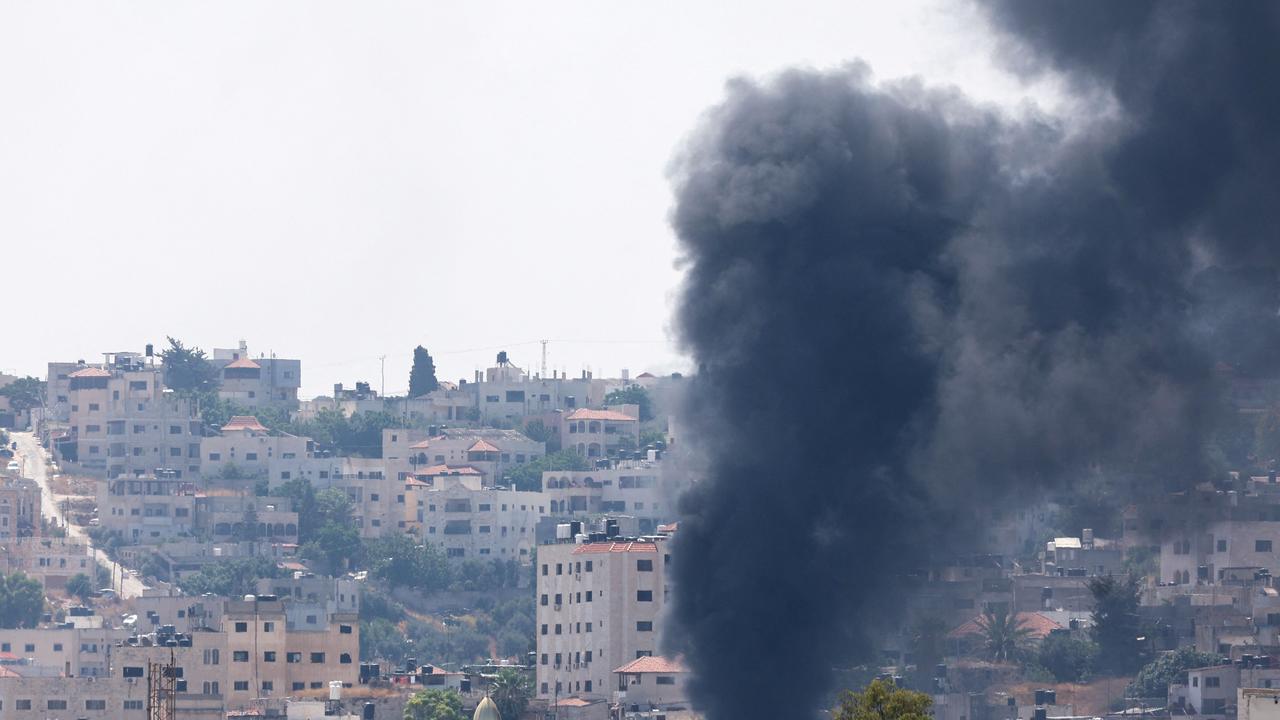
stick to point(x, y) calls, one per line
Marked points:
point(147, 508)
point(58, 389)
point(123, 421)
point(278, 647)
point(1203, 556)
point(201, 662)
point(50, 560)
point(594, 433)
point(599, 604)
point(472, 521)
point(637, 488)
point(19, 507)
point(651, 682)
point(257, 382)
point(36, 697)
point(73, 652)
point(245, 450)
point(245, 516)
point(490, 451)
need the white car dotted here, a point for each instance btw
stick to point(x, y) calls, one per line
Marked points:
point(13, 466)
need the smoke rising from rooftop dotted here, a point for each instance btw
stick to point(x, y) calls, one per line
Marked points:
point(908, 307)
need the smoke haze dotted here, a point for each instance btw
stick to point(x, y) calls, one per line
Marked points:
point(907, 307)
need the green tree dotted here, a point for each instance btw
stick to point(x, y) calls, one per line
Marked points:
point(434, 705)
point(1068, 657)
point(529, 475)
point(1004, 636)
point(24, 393)
point(422, 376)
point(1116, 626)
point(1170, 668)
point(80, 585)
point(511, 691)
point(229, 578)
point(883, 701)
point(21, 601)
point(187, 370)
point(634, 395)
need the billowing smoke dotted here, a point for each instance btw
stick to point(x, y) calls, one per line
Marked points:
point(907, 307)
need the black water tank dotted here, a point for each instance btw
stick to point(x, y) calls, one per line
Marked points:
point(368, 711)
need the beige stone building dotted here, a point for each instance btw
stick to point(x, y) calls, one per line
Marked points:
point(594, 433)
point(599, 605)
point(471, 521)
point(636, 488)
point(147, 509)
point(124, 422)
point(278, 648)
point(50, 560)
point(19, 507)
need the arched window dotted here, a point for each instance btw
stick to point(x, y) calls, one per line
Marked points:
point(593, 450)
point(582, 426)
point(422, 458)
point(290, 529)
point(594, 427)
point(345, 658)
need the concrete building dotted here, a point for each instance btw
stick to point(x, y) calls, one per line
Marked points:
point(652, 683)
point(279, 647)
point(71, 652)
point(50, 560)
point(1084, 556)
point(490, 451)
point(244, 450)
point(147, 509)
point(472, 521)
point(58, 389)
point(1202, 557)
point(19, 507)
point(599, 604)
point(595, 433)
point(1258, 704)
point(1210, 692)
point(26, 697)
point(257, 382)
point(637, 488)
point(124, 422)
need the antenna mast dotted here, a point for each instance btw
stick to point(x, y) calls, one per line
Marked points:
point(544, 358)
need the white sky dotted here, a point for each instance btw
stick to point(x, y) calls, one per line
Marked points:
point(336, 181)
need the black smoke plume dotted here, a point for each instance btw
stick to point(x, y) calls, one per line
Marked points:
point(907, 308)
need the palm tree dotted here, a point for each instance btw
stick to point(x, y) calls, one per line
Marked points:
point(1004, 634)
point(511, 691)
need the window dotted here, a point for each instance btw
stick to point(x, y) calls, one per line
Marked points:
point(373, 497)
point(544, 658)
point(588, 627)
point(134, 705)
point(558, 628)
point(1262, 546)
point(1212, 681)
point(269, 656)
point(588, 566)
point(544, 629)
point(299, 686)
point(57, 647)
point(268, 626)
point(175, 429)
point(133, 671)
point(242, 627)
point(588, 686)
point(666, 680)
point(242, 685)
point(644, 566)
point(317, 658)
point(644, 596)
point(95, 704)
point(1222, 546)
point(344, 629)
point(293, 657)
point(250, 456)
point(93, 407)
point(57, 704)
point(240, 656)
point(29, 647)
point(544, 599)
point(268, 685)
point(26, 704)
point(345, 658)
point(211, 657)
point(644, 626)
point(485, 507)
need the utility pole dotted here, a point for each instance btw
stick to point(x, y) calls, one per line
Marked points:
point(544, 359)
point(383, 391)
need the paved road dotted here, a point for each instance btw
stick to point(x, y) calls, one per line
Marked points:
point(35, 465)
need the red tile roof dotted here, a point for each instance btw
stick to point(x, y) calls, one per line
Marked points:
point(437, 470)
point(482, 445)
point(1038, 624)
point(90, 372)
point(653, 664)
point(610, 415)
point(244, 363)
point(244, 422)
point(615, 547)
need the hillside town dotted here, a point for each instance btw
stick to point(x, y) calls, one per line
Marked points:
point(183, 531)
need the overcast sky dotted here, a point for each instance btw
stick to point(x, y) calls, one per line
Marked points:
point(337, 181)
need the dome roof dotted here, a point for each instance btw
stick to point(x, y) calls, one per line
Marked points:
point(486, 710)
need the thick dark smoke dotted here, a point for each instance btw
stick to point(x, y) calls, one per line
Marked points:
point(907, 307)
